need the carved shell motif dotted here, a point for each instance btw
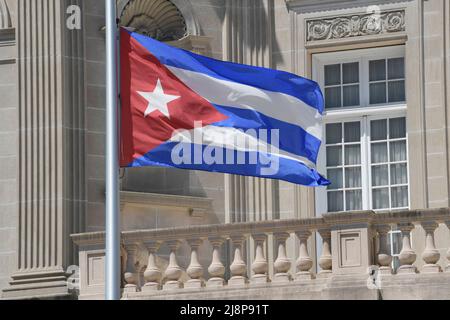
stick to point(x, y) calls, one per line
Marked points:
point(355, 25)
point(159, 19)
point(5, 18)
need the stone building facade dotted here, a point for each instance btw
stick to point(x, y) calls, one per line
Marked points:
point(384, 67)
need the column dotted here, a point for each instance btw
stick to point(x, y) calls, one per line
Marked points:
point(430, 255)
point(173, 272)
point(260, 266)
point(407, 255)
point(282, 264)
point(325, 260)
point(238, 267)
point(304, 261)
point(447, 268)
point(152, 273)
point(216, 269)
point(195, 269)
point(131, 275)
point(384, 258)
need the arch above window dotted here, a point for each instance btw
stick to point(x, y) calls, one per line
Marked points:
point(164, 20)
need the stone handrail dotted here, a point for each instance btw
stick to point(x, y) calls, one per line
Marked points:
point(348, 247)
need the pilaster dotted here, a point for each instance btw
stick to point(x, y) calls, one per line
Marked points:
point(51, 152)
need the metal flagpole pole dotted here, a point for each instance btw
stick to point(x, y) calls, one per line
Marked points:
point(112, 262)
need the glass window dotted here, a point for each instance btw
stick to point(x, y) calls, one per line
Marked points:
point(342, 87)
point(389, 168)
point(344, 166)
point(378, 183)
point(387, 81)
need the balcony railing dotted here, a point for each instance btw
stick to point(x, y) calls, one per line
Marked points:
point(354, 244)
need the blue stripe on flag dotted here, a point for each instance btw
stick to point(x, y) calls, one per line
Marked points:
point(289, 170)
point(267, 79)
point(304, 144)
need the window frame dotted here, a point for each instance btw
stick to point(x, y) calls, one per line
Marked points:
point(363, 113)
point(363, 56)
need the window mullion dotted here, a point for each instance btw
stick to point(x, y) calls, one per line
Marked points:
point(364, 164)
point(388, 124)
point(344, 193)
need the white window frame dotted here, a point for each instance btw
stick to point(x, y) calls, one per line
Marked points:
point(363, 113)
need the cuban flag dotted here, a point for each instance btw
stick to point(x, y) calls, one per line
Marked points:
point(184, 110)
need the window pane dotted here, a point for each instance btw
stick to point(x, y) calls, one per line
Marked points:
point(353, 200)
point(351, 96)
point(396, 68)
point(352, 155)
point(380, 198)
point(379, 152)
point(335, 201)
point(396, 242)
point(332, 74)
point(377, 93)
point(398, 151)
point(334, 133)
point(380, 176)
point(396, 91)
point(397, 128)
point(378, 130)
point(377, 70)
point(399, 197)
point(333, 97)
point(334, 156)
point(399, 174)
point(353, 177)
point(350, 72)
point(335, 177)
point(352, 132)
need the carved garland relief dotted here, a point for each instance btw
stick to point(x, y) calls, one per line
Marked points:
point(355, 25)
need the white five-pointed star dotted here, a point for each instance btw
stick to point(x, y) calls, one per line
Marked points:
point(158, 100)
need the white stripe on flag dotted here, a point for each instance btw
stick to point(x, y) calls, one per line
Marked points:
point(233, 139)
point(273, 104)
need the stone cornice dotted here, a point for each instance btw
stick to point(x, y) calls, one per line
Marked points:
point(308, 6)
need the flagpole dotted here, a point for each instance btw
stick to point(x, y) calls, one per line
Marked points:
point(112, 262)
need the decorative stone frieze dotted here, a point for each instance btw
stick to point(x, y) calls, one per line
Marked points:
point(355, 25)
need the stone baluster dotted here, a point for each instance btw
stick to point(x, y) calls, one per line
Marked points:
point(173, 272)
point(131, 275)
point(152, 273)
point(238, 268)
point(430, 255)
point(304, 261)
point(195, 269)
point(325, 260)
point(407, 255)
point(447, 268)
point(282, 264)
point(216, 269)
point(259, 266)
point(384, 258)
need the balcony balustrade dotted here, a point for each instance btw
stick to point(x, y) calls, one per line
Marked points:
point(354, 259)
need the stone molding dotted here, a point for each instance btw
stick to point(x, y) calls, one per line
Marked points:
point(327, 221)
point(355, 25)
point(196, 206)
